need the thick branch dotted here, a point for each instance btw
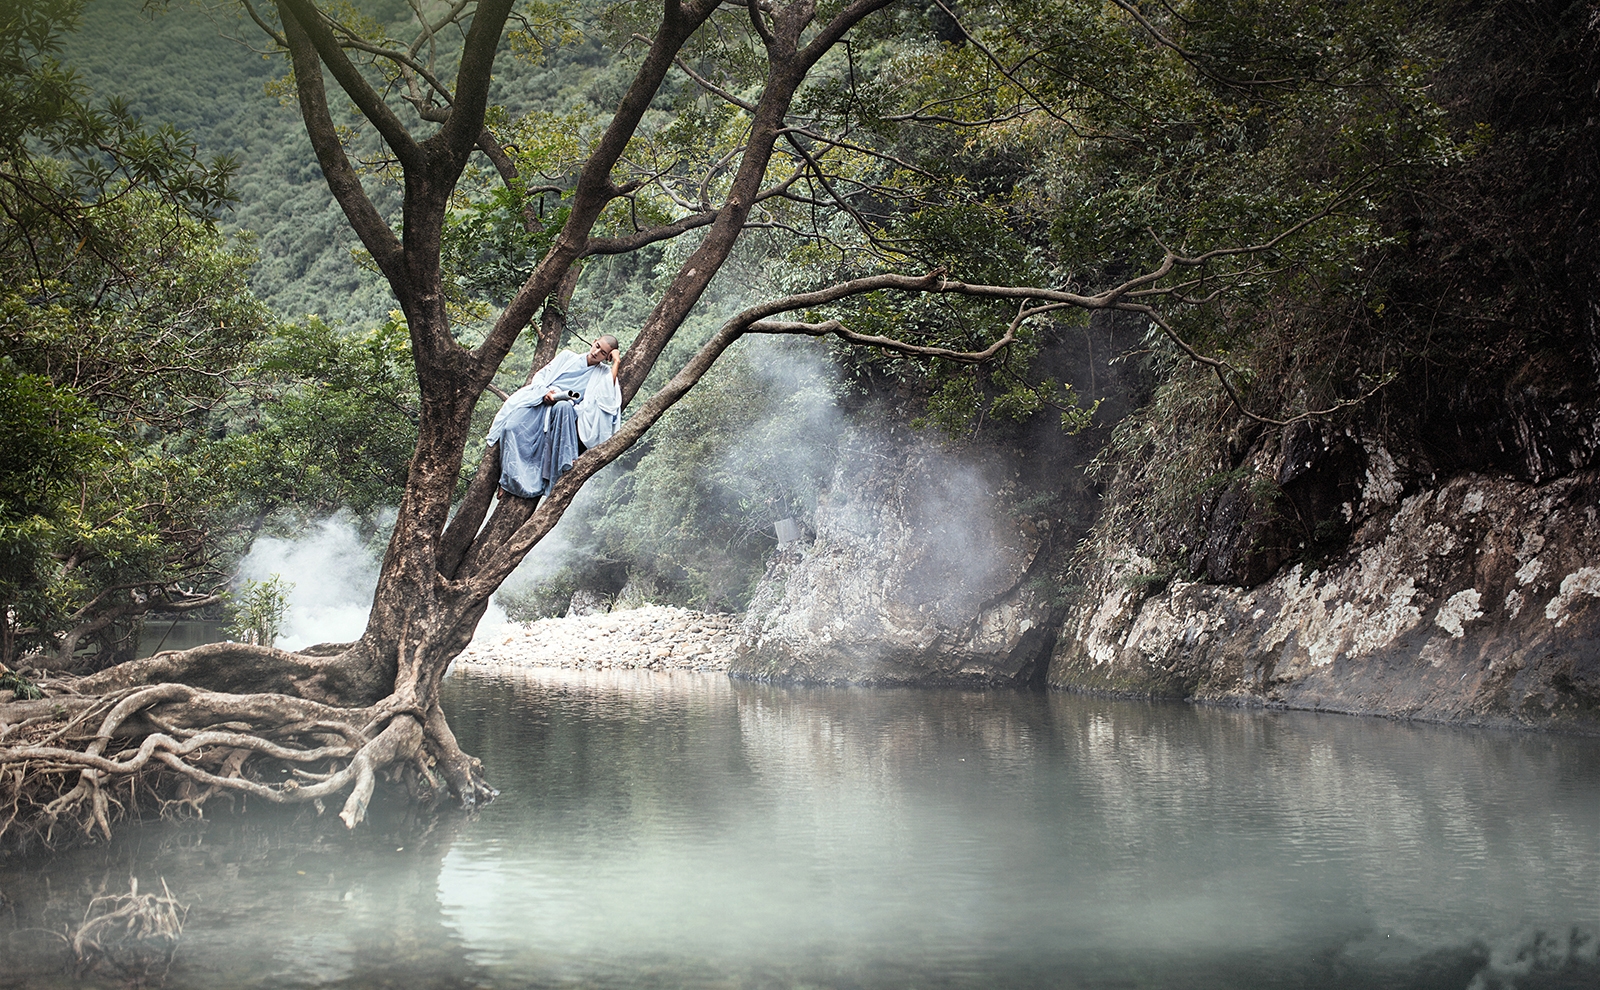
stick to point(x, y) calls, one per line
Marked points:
point(473, 77)
point(314, 28)
point(342, 179)
point(464, 525)
point(594, 188)
point(553, 321)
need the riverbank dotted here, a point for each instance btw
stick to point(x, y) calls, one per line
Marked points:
point(652, 637)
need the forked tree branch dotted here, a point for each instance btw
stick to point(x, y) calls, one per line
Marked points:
point(473, 79)
point(594, 187)
point(315, 28)
point(341, 176)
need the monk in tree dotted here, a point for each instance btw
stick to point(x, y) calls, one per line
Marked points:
point(573, 403)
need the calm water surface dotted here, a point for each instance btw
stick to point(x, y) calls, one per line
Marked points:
point(679, 830)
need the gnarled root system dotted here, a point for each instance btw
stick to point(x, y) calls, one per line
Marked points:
point(78, 760)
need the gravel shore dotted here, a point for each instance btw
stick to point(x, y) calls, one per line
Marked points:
point(654, 637)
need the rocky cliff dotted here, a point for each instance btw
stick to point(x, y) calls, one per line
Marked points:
point(1476, 600)
point(1310, 567)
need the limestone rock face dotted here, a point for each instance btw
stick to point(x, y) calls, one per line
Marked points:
point(1475, 601)
point(919, 574)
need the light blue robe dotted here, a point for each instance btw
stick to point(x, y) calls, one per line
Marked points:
point(539, 442)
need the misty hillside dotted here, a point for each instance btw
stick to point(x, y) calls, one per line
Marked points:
point(193, 69)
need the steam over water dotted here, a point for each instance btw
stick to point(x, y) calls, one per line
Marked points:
point(679, 830)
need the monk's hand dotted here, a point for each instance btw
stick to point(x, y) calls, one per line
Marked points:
point(550, 397)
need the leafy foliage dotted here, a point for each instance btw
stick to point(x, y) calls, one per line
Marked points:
point(122, 309)
point(200, 68)
point(1448, 277)
point(65, 162)
point(258, 609)
point(328, 420)
point(136, 464)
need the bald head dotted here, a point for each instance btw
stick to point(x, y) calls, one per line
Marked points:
point(604, 349)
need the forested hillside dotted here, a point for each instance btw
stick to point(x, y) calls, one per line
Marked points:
point(202, 70)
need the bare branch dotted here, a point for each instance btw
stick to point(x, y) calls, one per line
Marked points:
point(710, 86)
point(837, 142)
point(1195, 62)
point(402, 59)
point(1222, 369)
point(622, 245)
point(263, 25)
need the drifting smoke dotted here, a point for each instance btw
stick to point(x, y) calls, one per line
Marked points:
point(791, 442)
point(559, 548)
point(762, 435)
point(333, 572)
point(763, 439)
point(880, 481)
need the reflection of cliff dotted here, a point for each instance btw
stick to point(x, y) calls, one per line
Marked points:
point(1382, 808)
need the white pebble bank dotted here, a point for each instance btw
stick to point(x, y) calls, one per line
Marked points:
point(655, 637)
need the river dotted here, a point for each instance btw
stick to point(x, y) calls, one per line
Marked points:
point(683, 830)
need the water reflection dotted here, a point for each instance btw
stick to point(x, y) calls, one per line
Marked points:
point(682, 830)
point(274, 901)
point(179, 634)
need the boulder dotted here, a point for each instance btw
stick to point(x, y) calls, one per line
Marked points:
point(587, 601)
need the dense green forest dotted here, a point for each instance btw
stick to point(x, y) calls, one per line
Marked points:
point(1434, 162)
point(202, 71)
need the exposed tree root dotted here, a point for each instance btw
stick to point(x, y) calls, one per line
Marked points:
point(102, 746)
point(463, 773)
point(352, 676)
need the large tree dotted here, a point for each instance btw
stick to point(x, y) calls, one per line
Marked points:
point(774, 131)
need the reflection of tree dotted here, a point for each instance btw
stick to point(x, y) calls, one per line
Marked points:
point(272, 899)
point(635, 744)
